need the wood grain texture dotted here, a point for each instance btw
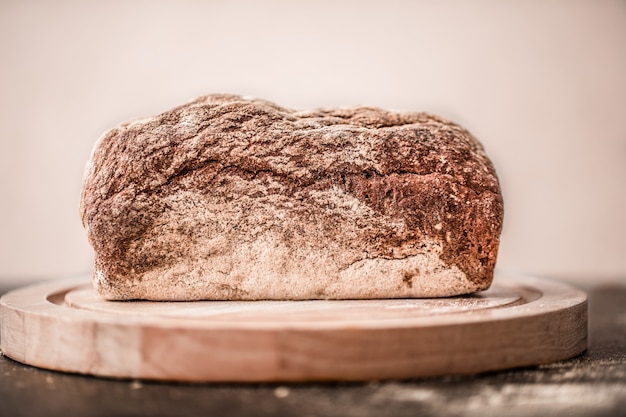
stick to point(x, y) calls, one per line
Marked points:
point(521, 321)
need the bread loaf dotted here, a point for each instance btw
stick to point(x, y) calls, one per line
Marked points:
point(231, 198)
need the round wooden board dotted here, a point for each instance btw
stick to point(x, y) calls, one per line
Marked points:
point(520, 321)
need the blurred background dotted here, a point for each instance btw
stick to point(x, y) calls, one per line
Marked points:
point(541, 83)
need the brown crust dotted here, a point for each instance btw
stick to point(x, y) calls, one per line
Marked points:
point(421, 176)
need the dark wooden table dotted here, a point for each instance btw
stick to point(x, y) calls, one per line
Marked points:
point(593, 384)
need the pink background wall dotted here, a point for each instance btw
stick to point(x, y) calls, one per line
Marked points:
point(541, 84)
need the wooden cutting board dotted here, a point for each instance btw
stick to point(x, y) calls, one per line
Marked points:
point(520, 321)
